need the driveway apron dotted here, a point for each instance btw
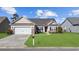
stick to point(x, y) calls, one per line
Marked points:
point(13, 41)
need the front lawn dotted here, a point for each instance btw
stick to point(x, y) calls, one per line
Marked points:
point(55, 40)
point(2, 35)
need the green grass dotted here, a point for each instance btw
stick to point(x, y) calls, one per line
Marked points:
point(2, 35)
point(55, 40)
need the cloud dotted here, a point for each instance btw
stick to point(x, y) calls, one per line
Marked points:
point(74, 12)
point(25, 16)
point(63, 18)
point(39, 12)
point(45, 13)
point(70, 14)
point(9, 10)
point(60, 19)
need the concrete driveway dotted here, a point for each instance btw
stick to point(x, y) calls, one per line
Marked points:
point(13, 41)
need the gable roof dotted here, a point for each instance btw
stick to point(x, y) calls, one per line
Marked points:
point(22, 21)
point(43, 21)
point(73, 20)
point(39, 21)
point(2, 18)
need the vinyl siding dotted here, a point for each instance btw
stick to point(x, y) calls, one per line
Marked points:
point(24, 20)
point(69, 27)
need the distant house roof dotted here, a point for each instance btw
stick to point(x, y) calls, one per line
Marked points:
point(2, 18)
point(73, 20)
point(40, 21)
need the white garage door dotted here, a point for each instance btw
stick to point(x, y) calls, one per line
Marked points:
point(23, 30)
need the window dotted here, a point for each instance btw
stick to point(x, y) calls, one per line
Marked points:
point(40, 28)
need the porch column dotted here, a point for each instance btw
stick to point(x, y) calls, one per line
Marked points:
point(43, 29)
point(48, 29)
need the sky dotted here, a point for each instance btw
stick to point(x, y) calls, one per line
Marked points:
point(58, 13)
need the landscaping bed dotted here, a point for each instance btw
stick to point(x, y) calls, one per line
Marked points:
point(54, 40)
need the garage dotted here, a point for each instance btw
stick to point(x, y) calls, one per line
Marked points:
point(22, 30)
point(23, 26)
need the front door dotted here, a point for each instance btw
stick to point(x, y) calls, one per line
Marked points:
point(46, 28)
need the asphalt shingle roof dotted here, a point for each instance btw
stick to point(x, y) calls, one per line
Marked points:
point(73, 20)
point(39, 21)
point(42, 21)
point(2, 18)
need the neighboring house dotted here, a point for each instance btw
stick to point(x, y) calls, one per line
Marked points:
point(4, 24)
point(32, 25)
point(71, 24)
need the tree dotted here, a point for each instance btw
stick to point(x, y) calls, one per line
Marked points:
point(15, 17)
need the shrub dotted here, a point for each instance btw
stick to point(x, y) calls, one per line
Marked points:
point(59, 29)
point(10, 31)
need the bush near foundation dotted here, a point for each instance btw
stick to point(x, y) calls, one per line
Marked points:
point(9, 31)
point(59, 29)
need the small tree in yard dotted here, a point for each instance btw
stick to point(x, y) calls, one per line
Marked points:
point(9, 31)
point(14, 17)
point(59, 29)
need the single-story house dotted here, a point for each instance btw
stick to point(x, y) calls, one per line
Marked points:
point(45, 24)
point(32, 25)
point(71, 24)
point(4, 24)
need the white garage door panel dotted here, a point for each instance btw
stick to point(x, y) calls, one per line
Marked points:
point(23, 30)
